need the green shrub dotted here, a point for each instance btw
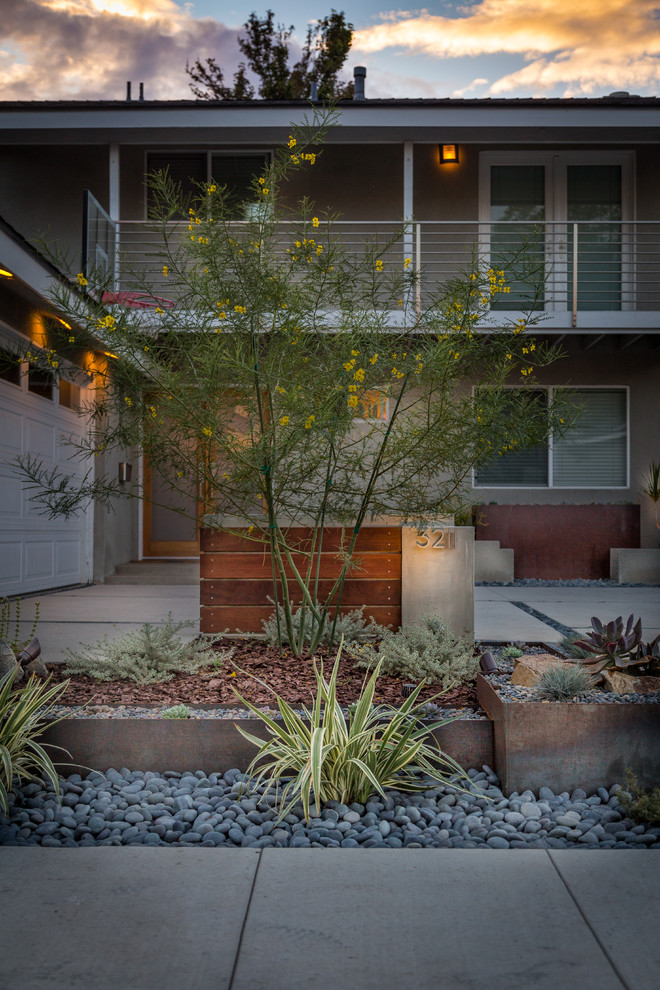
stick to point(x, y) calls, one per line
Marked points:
point(511, 653)
point(561, 683)
point(642, 806)
point(23, 717)
point(149, 655)
point(15, 640)
point(345, 759)
point(177, 711)
point(427, 650)
point(351, 627)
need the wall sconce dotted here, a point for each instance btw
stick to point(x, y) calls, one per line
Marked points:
point(448, 154)
point(124, 472)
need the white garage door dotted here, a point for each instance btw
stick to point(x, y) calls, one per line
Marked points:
point(37, 553)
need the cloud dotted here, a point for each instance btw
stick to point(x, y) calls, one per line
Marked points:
point(584, 45)
point(88, 49)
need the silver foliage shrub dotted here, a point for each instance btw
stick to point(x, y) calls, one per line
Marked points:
point(563, 682)
point(149, 655)
point(352, 626)
point(424, 650)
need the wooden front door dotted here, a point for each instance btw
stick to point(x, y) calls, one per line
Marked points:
point(170, 519)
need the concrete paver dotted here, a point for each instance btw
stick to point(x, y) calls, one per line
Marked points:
point(109, 918)
point(606, 888)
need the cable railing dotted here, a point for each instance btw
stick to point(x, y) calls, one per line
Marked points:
point(585, 266)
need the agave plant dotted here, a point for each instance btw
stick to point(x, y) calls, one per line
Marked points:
point(614, 645)
point(345, 758)
point(23, 717)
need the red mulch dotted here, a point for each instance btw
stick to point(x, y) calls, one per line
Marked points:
point(291, 677)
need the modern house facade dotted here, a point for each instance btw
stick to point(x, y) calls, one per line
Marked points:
point(576, 180)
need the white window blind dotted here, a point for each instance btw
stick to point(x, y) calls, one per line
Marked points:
point(594, 452)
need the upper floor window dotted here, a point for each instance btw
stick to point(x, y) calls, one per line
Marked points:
point(190, 169)
point(565, 215)
point(592, 454)
point(10, 367)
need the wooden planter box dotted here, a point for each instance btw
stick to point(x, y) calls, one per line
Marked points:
point(211, 745)
point(564, 745)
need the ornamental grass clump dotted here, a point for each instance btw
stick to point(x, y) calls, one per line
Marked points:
point(150, 655)
point(427, 650)
point(23, 717)
point(352, 627)
point(562, 683)
point(338, 757)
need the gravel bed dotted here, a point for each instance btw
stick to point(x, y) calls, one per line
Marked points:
point(432, 712)
point(514, 692)
point(192, 809)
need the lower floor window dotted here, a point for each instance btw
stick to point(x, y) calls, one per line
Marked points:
point(592, 454)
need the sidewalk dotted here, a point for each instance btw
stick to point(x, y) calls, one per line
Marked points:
point(85, 615)
point(368, 919)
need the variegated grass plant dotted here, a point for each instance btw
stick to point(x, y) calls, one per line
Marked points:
point(23, 717)
point(345, 758)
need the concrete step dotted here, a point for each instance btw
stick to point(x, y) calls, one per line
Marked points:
point(156, 572)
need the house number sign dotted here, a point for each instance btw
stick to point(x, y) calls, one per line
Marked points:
point(436, 539)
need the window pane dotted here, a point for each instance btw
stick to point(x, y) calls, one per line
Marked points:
point(187, 171)
point(10, 367)
point(517, 468)
point(517, 214)
point(237, 172)
point(69, 395)
point(40, 382)
point(594, 452)
point(594, 197)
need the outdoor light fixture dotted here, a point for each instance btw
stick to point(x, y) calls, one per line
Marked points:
point(487, 663)
point(3, 271)
point(448, 154)
point(124, 472)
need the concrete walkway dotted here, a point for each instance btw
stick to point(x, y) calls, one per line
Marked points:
point(369, 919)
point(85, 615)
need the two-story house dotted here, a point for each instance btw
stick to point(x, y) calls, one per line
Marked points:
point(578, 178)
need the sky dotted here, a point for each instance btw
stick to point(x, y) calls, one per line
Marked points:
point(88, 49)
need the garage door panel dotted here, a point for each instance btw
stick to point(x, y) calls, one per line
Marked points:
point(39, 560)
point(11, 435)
point(41, 439)
point(10, 565)
point(67, 558)
point(11, 492)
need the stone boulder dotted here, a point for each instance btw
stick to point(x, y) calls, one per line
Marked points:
point(9, 662)
point(622, 682)
point(529, 668)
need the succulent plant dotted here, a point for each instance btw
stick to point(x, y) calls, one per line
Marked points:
point(177, 711)
point(561, 683)
point(617, 646)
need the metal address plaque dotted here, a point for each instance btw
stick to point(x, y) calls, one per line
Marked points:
point(436, 539)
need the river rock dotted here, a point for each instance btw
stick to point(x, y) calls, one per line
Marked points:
point(8, 662)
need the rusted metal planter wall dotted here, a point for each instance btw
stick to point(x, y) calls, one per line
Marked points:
point(211, 745)
point(236, 577)
point(563, 745)
point(560, 541)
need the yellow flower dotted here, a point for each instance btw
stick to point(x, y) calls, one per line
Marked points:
point(292, 144)
point(355, 353)
point(80, 279)
point(110, 322)
point(207, 431)
point(319, 250)
point(508, 357)
point(128, 401)
point(239, 309)
point(146, 349)
point(265, 190)
point(212, 188)
point(71, 340)
point(407, 263)
point(159, 310)
point(372, 360)
point(359, 375)
point(165, 270)
point(179, 474)
point(349, 365)
point(284, 421)
point(352, 401)
point(379, 265)
point(152, 410)
point(309, 421)
point(315, 221)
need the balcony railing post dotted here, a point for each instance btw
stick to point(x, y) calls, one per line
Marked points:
point(418, 269)
point(575, 273)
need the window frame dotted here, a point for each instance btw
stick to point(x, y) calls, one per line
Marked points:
point(268, 154)
point(550, 389)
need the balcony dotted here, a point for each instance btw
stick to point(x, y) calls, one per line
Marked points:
point(615, 283)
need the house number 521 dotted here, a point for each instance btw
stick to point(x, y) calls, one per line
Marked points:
point(436, 539)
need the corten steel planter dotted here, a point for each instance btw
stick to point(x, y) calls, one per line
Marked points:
point(210, 745)
point(564, 745)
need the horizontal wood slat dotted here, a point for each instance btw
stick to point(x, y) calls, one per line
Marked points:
point(384, 539)
point(356, 592)
point(254, 566)
point(247, 618)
